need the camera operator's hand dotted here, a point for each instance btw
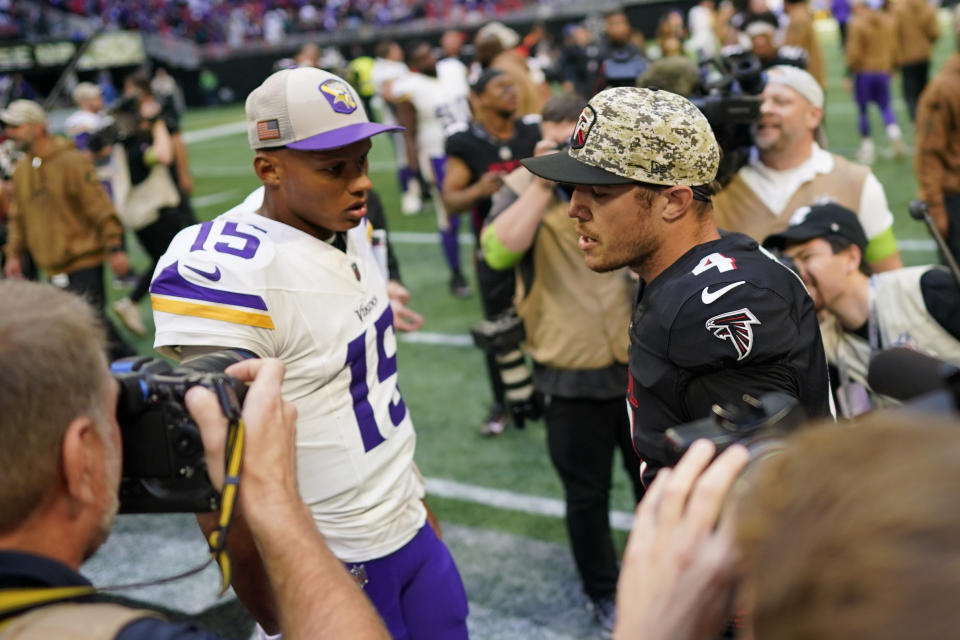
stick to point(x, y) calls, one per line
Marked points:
point(269, 464)
point(679, 565)
point(315, 596)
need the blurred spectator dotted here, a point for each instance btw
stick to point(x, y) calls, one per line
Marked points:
point(388, 67)
point(427, 107)
point(496, 46)
point(915, 307)
point(451, 45)
point(841, 13)
point(308, 56)
point(917, 30)
point(937, 159)
point(801, 33)
point(703, 30)
point(85, 122)
point(671, 33)
point(209, 86)
point(579, 61)
point(873, 53)
point(150, 155)
point(478, 156)
point(622, 60)
point(787, 170)
point(107, 88)
point(61, 213)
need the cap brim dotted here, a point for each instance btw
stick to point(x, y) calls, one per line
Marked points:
point(342, 137)
point(560, 167)
point(9, 120)
point(792, 235)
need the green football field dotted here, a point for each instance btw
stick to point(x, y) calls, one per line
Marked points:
point(497, 498)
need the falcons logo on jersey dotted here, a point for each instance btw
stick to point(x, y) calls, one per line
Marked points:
point(735, 327)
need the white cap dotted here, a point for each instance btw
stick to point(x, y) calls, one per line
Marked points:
point(21, 112)
point(798, 80)
point(308, 109)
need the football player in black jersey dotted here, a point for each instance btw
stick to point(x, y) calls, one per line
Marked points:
point(478, 154)
point(716, 317)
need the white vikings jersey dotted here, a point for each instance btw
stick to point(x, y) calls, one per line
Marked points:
point(246, 281)
point(439, 105)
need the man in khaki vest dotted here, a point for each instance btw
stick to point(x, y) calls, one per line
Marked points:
point(917, 307)
point(576, 326)
point(788, 169)
point(60, 451)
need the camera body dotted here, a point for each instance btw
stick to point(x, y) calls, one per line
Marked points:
point(164, 470)
point(503, 337)
point(124, 119)
point(758, 424)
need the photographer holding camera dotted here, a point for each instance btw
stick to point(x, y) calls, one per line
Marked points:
point(787, 169)
point(575, 322)
point(716, 318)
point(60, 451)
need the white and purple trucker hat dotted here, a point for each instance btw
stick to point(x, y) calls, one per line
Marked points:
point(307, 109)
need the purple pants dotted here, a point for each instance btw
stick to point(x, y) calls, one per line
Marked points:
point(872, 87)
point(417, 590)
point(448, 237)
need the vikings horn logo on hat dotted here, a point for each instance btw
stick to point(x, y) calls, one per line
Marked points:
point(339, 96)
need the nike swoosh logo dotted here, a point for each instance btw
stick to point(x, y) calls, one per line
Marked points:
point(209, 275)
point(709, 297)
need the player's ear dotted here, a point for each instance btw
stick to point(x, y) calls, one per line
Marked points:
point(679, 202)
point(268, 168)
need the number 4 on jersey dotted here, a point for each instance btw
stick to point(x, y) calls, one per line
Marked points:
point(715, 261)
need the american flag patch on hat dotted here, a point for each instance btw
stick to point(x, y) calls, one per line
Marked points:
point(268, 129)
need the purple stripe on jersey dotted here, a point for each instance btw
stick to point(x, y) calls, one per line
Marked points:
point(171, 283)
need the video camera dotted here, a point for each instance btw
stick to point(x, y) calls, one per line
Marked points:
point(758, 424)
point(163, 463)
point(124, 119)
point(729, 96)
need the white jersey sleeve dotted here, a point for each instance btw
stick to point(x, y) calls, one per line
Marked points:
point(208, 289)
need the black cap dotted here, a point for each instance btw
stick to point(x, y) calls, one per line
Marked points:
point(818, 221)
point(479, 85)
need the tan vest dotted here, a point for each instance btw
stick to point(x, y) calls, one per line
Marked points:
point(574, 318)
point(738, 208)
point(902, 320)
point(72, 621)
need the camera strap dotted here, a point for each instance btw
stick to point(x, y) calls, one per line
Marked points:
point(16, 601)
point(233, 461)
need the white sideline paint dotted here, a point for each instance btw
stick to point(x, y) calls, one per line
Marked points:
point(444, 339)
point(510, 501)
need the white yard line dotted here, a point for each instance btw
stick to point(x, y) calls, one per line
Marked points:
point(511, 501)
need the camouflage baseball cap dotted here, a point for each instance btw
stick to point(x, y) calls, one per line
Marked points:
point(626, 134)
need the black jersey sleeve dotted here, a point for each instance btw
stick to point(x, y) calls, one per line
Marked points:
point(459, 145)
point(733, 338)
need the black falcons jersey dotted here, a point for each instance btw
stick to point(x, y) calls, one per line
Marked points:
point(723, 320)
point(481, 152)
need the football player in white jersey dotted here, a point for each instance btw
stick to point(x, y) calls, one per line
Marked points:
point(427, 106)
point(294, 277)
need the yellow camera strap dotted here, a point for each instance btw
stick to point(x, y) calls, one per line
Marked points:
point(233, 461)
point(15, 601)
